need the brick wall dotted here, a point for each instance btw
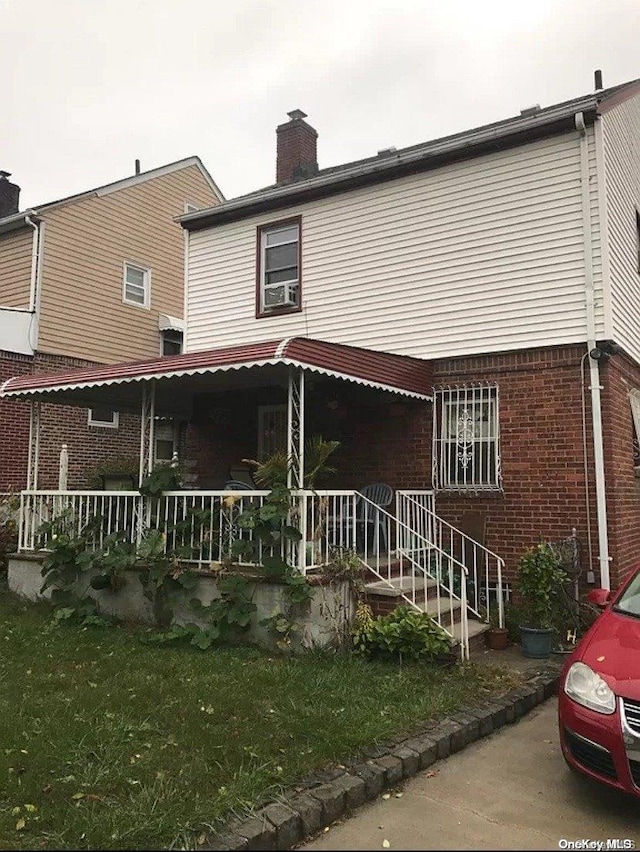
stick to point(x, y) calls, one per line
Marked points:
point(14, 426)
point(381, 439)
point(88, 446)
point(618, 376)
point(541, 451)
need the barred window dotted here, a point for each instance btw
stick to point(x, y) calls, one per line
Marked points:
point(466, 438)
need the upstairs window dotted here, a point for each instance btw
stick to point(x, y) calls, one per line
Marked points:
point(171, 342)
point(102, 415)
point(278, 278)
point(136, 285)
point(466, 439)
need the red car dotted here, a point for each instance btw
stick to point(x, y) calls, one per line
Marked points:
point(599, 692)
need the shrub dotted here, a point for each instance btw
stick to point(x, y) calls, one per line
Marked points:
point(539, 580)
point(404, 634)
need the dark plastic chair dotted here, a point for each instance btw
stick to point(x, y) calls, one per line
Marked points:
point(370, 517)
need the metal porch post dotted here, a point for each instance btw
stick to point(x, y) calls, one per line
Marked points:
point(295, 453)
point(295, 428)
point(147, 420)
point(34, 446)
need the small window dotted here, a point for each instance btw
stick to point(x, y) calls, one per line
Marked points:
point(102, 415)
point(164, 439)
point(190, 208)
point(279, 267)
point(272, 430)
point(466, 439)
point(136, 285)
point(171, 342)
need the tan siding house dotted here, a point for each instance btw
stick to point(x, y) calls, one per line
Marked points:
point(15, 268)
point(87, 243)
point(96, 283)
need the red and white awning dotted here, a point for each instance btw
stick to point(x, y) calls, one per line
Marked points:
point(398, 374)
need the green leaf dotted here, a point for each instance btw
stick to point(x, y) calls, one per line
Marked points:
point(291, 533)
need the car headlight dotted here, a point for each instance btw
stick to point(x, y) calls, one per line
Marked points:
point(589, 689)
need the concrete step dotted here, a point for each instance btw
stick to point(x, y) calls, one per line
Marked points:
point(385, 596)
point(477, 630)
point(397, 585)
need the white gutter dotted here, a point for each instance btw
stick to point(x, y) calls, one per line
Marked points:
point(34, 259)
point(595, 386)
point(36, 277)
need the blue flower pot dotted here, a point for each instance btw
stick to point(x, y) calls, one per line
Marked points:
point(536, 642)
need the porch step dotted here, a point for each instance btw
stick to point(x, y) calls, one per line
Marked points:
point(385, 596)
point(477, 630)
point(395, 587)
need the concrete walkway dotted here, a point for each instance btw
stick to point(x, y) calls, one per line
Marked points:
point(509, 791)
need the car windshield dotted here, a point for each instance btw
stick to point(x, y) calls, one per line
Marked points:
point(630, 600)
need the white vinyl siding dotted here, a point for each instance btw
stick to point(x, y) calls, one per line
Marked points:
point(621, 135)
point(477, 256)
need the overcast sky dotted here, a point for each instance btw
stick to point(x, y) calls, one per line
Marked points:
point(88, 86)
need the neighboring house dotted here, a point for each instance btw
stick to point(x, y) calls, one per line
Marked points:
point(91, 279)
point(490, 284)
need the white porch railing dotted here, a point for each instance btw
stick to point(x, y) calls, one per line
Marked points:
point(485, 568)
point(397, 554)
point(419, 557)
point(202, 524)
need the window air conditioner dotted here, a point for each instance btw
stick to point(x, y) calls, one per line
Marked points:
point(282, 296)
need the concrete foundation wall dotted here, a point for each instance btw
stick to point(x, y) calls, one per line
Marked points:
point(323, 624)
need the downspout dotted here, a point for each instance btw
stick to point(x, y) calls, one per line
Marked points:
point(594, 372)
point(35, 273)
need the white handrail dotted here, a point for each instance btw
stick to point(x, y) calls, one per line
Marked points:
point(467, 543)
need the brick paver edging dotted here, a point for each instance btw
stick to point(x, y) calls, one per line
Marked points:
point(327, 796)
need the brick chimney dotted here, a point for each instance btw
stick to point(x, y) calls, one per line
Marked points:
point(9, 195)
point(297, 149)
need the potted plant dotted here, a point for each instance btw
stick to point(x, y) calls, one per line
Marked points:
point(539, 579)
point(497, 637)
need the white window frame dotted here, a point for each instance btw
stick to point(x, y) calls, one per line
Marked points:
point(466, 439)
point(263, 411)
point(294, 283)
point(190, 207)
point(146, 271)
point(634, 401)
point(104, 424)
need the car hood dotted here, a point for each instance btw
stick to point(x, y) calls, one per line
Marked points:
point(612, 649)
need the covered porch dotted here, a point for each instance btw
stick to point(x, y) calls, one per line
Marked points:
point(243, 402)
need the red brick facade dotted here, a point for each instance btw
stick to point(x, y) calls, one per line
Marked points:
point(88, 446)
point(14, 426)
point(618, 376)
point(386, 439)
point(543, 468)
point(540, 415)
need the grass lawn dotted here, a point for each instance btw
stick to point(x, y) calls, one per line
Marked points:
point(106, 743)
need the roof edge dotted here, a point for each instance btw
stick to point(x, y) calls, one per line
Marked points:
point(16, 220)
point(510, 133)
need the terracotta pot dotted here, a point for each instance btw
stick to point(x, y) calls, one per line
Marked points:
point(497, 638)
